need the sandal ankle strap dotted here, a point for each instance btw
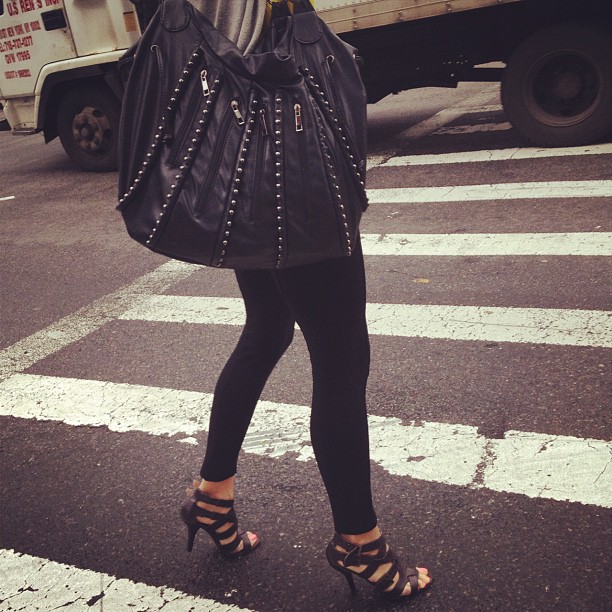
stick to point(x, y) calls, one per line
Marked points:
point(221, 503)
point(353, 556)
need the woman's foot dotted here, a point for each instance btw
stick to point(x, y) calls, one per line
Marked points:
point(210, 507)
point(368, 556)
point(223, 490)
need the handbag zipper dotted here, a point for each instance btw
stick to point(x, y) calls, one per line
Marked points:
point(260, 149)
point(263, 122)
point(303, 157)
point(297, 109)
point(215, 162)
point(186, 127)
point(190, 111)
point(329, 81)
point(335, 100)
point(204, 81)
point(237, 113)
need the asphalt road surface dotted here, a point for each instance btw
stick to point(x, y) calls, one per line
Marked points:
point(489, 306)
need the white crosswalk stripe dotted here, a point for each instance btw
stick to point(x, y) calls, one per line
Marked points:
point(485, 245)
point(490, 192)
point(493, 155)
point(485, 323)
point(39, 585)
point(551, 467)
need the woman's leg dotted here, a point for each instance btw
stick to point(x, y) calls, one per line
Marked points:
point(267, 333)
point(328, 300)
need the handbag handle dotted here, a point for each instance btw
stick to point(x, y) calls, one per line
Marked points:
point(280, 8)
point(302, 6)
point(174, 15)
point(277, 66)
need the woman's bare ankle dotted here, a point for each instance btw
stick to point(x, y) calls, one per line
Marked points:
point(223, 489)
point(362, 538)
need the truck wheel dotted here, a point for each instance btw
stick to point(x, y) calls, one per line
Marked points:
point(88, 127)
point(557, 86)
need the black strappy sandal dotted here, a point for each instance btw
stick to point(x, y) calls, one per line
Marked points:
point(343, 555)
point(190, 511)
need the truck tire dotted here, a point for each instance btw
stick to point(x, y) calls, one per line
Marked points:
point(88, 127)
point(557, 86)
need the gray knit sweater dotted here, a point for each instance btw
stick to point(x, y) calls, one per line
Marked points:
point(240, 20)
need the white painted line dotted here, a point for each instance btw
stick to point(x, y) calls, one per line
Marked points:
point(88, 319)
point(495, 191)
point(437, 452)
point(517, 459)
point(5, 198)
point(485, 245)
point(495, 155)
point(493, 324)
point(471, 129)
point(479, 323)
point(37, 584)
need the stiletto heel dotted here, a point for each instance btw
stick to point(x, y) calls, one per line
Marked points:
point(227, 540)
point(351, 582)
point(192, 530)
point(346, 573)
point(342, 555)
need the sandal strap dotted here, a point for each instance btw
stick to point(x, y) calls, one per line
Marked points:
point(246, 546)
point(386, 580)
point(354, 555)
point(221, 503)
point(222, 517)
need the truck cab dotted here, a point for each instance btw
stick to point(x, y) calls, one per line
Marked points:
point(58, 72)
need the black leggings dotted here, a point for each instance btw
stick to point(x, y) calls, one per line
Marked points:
point(328, 301)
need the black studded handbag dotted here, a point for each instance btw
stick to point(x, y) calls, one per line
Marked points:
point(243, 161)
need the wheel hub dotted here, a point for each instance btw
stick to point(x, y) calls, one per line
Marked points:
point(567, 86)
point(91, 130)
point(563, 89)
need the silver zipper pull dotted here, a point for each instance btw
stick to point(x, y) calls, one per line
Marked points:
point(237, 113)
point(205, 87)
point(262, 120)
point(299, 127)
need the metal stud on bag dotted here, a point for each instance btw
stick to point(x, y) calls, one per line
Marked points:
point(280, 204)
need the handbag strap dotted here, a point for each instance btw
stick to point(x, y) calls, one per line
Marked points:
point(175, 15)
point(302, 6)
point(306, 25)
point(268, 68)
point(280, 9)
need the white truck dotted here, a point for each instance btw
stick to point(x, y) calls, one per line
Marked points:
point(58, 72)
point(58, 62)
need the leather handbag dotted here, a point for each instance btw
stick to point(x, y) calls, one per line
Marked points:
point(243, 161)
